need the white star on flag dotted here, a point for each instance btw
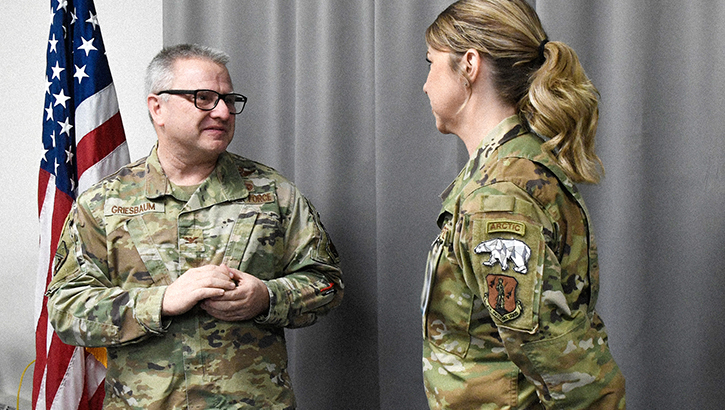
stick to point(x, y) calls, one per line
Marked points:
point(57, 70)
point(49, 112)
point(80, 73)
point(93, 20)
point(65, 126)
point(53, 42)
point(87, 45)
point(61, 98)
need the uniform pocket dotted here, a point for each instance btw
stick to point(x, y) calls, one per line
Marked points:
point(239, 239)
point(447, 309)
point(158, 269)
point(257, 244)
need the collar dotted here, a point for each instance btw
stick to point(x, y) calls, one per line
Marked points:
point(225, 182)
point(505, 131)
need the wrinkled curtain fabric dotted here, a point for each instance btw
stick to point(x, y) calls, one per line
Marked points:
point(336, 104)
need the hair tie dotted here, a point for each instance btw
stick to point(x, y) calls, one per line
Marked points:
point(542, 57)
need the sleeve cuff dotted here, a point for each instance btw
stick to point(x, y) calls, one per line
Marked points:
point(278, 309)
point(148, 310)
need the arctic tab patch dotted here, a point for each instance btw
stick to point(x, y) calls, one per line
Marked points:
point(514, 227)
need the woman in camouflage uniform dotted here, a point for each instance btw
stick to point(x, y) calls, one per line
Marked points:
point(512, 279)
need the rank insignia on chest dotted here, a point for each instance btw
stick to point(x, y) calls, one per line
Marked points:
point(501, 297)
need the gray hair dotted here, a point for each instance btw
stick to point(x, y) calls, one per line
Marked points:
point(160, 73)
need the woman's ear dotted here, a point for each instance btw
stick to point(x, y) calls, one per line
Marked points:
point(471, 64)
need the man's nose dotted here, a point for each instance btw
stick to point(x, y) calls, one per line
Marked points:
point(221, 110)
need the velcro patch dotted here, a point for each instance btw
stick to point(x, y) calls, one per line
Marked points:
point(501, 298)
point(263, 198)
point(514, 227)
point(503, 251)
point(60, 256)
point(117, 206)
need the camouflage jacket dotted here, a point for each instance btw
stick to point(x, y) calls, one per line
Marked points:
point(129, 236)
point(511, 285)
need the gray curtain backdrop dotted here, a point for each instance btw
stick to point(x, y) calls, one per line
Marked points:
point(336, 104)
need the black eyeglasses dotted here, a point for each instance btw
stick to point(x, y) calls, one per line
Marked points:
point(207, 100)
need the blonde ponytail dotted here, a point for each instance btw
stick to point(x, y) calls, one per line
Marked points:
point(562, 105)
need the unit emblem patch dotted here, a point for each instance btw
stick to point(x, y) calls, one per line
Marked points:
point(505, 250)
point(501, 297)
point(60, 256)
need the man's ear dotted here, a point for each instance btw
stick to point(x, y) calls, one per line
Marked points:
point(154, 103)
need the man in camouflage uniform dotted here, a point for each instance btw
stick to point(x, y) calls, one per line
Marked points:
point(511, 285)
point(187, 265)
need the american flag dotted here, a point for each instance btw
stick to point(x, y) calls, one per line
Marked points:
point(83, 140)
